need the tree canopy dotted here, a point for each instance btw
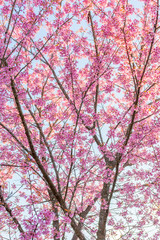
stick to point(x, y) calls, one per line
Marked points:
point(79, 119)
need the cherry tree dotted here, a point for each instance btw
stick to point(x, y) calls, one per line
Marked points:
point(79, 119)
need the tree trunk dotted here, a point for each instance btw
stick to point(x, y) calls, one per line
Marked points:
point(55, 210)
point(103, 212)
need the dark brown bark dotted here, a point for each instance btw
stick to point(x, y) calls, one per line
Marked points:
point(83, 215)
point(55, 210)
point(103, 212)
point(9, 211)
